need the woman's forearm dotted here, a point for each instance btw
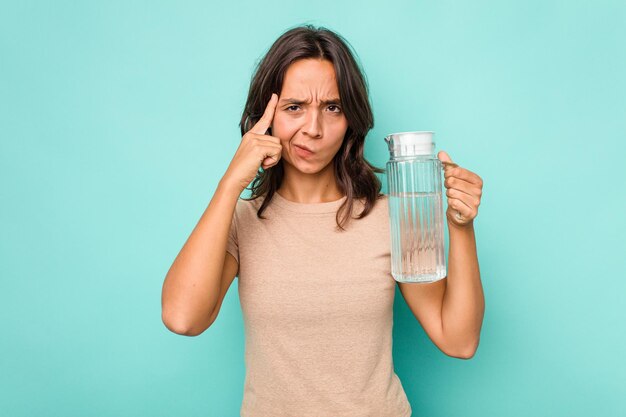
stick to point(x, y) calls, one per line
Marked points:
point(463, 301)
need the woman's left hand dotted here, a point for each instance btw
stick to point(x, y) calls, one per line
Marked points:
point(464, 189)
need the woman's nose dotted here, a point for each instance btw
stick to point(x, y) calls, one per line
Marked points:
point(313, 125)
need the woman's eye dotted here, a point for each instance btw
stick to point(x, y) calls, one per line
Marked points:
point(337, 107)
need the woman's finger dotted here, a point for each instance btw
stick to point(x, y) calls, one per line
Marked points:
point(266, 120)
point(469, 199)
point(462, 185)
point(458, 205)
point(463, 174)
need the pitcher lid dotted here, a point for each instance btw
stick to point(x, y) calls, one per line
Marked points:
point(410, 143)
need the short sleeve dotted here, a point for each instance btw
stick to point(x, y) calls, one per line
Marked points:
point(232, 246)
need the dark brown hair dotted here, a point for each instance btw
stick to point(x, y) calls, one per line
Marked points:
point(354, 175)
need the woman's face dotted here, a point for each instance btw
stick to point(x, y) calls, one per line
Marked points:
point(309, 114)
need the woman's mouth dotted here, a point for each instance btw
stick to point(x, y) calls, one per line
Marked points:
point(302, 152)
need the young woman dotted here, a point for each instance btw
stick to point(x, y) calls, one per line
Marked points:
point(311, 247)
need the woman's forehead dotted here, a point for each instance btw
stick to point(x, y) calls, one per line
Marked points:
point(310, 81)
point(311, 72)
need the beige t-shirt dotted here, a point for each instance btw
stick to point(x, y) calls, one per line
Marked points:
point(317, 305)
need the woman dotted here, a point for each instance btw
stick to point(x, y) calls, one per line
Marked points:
point(311, 247)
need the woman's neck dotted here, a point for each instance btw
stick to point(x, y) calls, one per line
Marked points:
point(306, 188)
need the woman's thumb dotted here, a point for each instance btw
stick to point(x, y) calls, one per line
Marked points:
point(444, 157)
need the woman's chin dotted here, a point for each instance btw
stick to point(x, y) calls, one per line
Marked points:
point(307, 167)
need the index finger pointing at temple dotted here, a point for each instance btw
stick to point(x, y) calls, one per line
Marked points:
point(266, 120)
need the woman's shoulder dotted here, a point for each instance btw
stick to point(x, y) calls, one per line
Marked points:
point(246, 206)
point(249, 203)
point(382, 199)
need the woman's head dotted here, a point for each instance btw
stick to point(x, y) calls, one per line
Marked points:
point(332, 114)
point(309, 114)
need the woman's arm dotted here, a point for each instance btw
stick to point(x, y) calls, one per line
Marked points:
point(193, 286)
point(451, 310)
point(463, 304)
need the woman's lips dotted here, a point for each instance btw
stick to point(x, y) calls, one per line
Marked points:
point(302, 152)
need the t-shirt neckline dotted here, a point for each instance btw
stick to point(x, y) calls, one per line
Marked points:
point(327, 207)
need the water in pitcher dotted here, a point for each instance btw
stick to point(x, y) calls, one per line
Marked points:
point(417, 255)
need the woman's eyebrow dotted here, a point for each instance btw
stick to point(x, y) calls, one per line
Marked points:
point(299, 101)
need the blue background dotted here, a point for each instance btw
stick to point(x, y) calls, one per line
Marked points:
point(117, 120)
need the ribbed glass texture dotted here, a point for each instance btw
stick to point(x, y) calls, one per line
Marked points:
point(416, 219)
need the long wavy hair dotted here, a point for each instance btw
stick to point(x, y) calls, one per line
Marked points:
point(355, 176)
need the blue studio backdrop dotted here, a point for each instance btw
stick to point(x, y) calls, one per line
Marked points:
point(118, 119)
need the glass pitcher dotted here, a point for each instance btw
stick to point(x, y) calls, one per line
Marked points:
point(414, 179)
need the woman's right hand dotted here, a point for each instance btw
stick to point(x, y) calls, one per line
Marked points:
point(255, 150)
